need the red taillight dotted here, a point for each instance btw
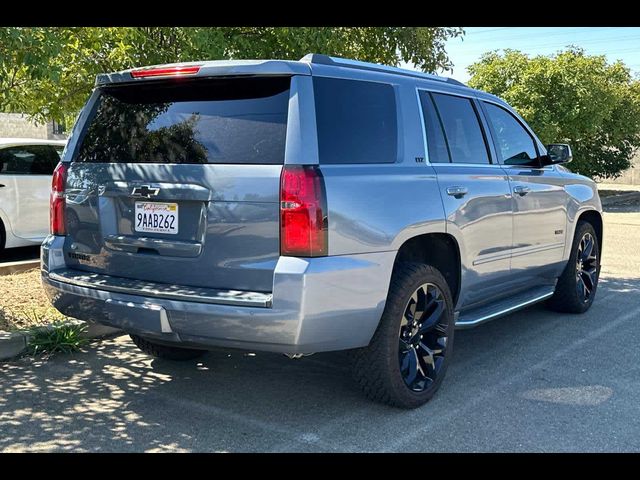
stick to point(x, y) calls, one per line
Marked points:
point(165, 71)
point(57, 200)
point(303, 212)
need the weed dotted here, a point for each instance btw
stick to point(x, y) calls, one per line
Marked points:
point(59, 337)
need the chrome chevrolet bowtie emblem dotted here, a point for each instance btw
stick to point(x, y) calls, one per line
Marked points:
point(145, 191)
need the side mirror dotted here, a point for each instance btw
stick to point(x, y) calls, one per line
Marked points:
point(558, 153)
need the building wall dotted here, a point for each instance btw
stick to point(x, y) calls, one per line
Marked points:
point(631, 176)
point(19, 125)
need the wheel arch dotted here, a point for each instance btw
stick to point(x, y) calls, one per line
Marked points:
point(593, 217)
point(3, 234)
point(441, 251)
point(10, 238)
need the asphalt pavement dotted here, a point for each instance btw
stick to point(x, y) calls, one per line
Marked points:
point(19, 254)
point(533, 381)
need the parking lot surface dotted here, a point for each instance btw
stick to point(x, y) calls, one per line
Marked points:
point(19, 254)
point(533, 381)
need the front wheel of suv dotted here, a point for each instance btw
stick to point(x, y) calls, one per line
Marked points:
point(407, 357)
point(165, 351)
point(576, 287)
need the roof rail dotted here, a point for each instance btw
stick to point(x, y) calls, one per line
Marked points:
point(320, 59)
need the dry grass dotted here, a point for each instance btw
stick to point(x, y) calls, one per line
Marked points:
point(23, 303)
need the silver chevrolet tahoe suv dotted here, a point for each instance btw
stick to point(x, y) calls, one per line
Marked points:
point(309, 206)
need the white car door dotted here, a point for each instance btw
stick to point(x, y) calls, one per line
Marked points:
point(25, 172)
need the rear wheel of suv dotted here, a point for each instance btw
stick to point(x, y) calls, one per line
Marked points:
point(164, 351)
point(576, 287)
point(407, 358)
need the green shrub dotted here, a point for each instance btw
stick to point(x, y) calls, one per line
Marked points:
point(59, 337)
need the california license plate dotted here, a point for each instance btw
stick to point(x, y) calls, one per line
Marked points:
point(155, 217)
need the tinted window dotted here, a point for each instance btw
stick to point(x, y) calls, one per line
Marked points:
point(436, 143)
point(461, 126)
point(514, 143)
point(241, 120)
point(29, 160)
point(356, 121)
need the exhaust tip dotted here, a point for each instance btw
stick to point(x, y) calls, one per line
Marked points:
point(297, 356)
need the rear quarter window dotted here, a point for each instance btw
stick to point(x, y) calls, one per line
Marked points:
point(356, 121)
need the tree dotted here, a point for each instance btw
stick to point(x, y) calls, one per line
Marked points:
point(570, 98)
point(49, 72)
point(24, 59)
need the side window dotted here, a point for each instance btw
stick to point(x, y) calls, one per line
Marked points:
point(514, 143)
point(356, 121)
point(28, 160)
point(462, 129)
point(436, 143)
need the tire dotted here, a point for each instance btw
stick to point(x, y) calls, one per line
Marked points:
point(164, 351)
point(3, 237)
point(578, 274)
point(384, 369)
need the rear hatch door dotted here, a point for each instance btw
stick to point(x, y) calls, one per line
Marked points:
point(178, 182)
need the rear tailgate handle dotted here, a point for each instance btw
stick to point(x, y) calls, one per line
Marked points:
point(457, 191)
point(157, 191)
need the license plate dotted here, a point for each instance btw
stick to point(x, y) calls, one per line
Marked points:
point(155, 217)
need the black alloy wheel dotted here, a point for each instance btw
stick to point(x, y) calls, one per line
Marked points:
point(423, 337)
point(576, 288)
point(407, 358)
point(586, 267)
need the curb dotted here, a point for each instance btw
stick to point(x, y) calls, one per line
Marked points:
point(17, 267)
point(615, 199)
point(13, 344)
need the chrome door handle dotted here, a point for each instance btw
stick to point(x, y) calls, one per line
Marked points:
point(457, 191)
point(521, 190)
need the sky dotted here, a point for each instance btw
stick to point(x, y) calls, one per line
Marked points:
point(621, 43)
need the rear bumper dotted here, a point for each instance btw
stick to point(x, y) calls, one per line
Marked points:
point(318, 304)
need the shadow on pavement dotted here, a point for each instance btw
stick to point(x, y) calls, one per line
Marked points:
point(114, 398)
point(19, 254)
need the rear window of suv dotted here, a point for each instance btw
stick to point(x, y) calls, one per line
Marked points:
point(356, 120)
point(232, 121)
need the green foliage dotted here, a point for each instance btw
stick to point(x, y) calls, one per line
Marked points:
point(59, 337)
point(570, 98)
point(49, 72)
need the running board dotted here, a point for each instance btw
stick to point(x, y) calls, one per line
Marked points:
point(503, 307)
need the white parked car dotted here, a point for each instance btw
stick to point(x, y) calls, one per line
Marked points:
point(26, 166)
